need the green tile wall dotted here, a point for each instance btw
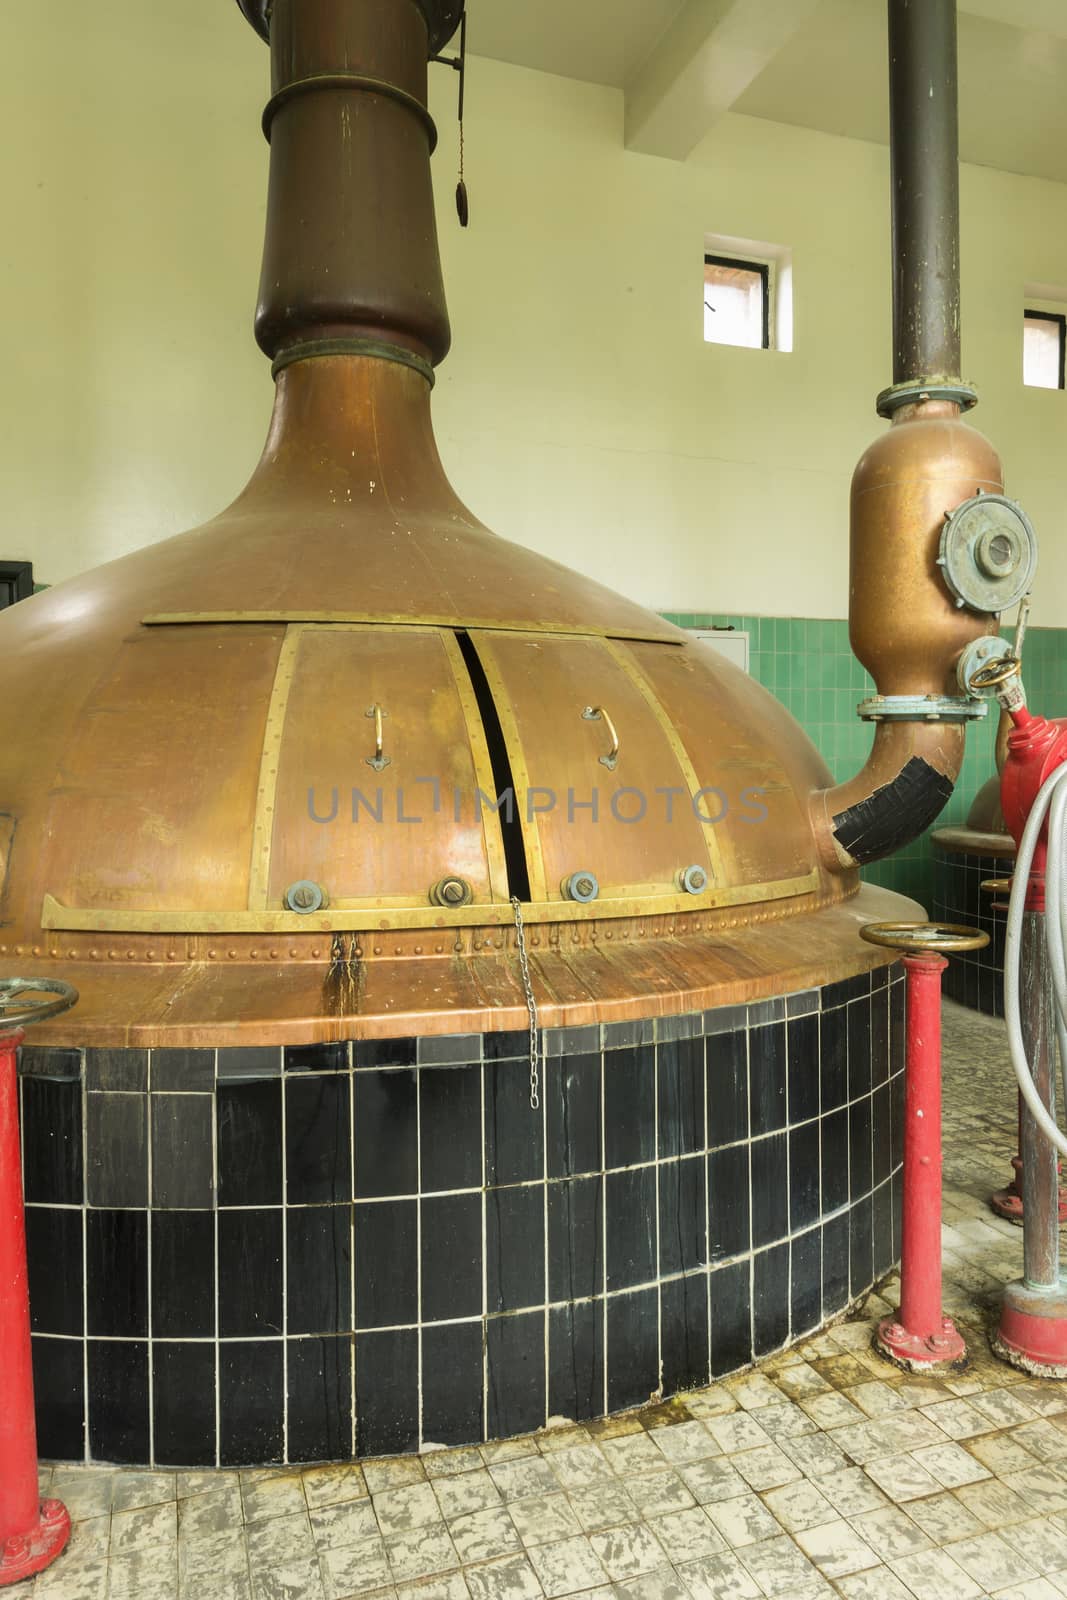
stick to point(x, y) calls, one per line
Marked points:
point(806, 662)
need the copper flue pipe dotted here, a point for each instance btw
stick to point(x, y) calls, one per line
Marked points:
point(350, 261)
point(904, 625)
point(924, 147)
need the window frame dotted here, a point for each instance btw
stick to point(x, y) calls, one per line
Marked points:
point(16, 582)
point(748, 264)
point(1060, 318)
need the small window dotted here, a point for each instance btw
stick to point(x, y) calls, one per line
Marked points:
point(737, 302)
point(1044, 339)
point(16, 581)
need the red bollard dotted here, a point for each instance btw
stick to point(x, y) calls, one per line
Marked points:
point(32, 1531)
point(920, 1337)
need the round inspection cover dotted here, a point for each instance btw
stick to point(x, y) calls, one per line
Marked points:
point(988, 553)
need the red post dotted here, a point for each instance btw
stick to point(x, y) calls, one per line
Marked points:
point(921, 1336)
point(32, 1531)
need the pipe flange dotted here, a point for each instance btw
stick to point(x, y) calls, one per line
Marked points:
point(988, 553)
point(442, 18)
point(693, 880)
point(916, 390)
point(984, 652)
point(921, 708)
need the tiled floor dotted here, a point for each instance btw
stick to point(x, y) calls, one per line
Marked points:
point(825, 1472)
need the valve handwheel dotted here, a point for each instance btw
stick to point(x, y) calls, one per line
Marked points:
point(33, 1532)
point(19, 1008)
point(918, 938)
point(994, 673)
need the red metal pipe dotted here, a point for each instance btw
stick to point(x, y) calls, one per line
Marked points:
point(920, 1335)
point(32, 1531)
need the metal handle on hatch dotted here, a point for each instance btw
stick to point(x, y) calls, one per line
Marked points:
point(598, 714)
point(378, 760)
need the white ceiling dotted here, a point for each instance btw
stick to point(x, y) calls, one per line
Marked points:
point(823, 67)
point(589, 39)
point(1013, 85)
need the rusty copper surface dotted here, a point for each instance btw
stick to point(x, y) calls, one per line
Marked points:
point(970, 841)
point(904, 626)
point(639, 969)
point(410, 675)
point(162, 806)
point(986, 815)
point(352, 463)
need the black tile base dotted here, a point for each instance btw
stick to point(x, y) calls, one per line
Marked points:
point(347, 1251)
point(975, 978)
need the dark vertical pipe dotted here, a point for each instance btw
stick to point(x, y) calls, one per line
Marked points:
point(924, 144)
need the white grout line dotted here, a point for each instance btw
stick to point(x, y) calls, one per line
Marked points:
point(418, 1254)
point(485, 1263)
point(543, 1115)
point(84, 1097)
point(604, 1227)
point(819, 1220)
point(352, 1242)
point(707, 1193)
point(748, 1165)
point(215, 1208)
point(150, 1151)
point(656, 1203)
point(285, 1273)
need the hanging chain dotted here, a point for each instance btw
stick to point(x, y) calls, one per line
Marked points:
point(463, 205)
point(458, 64)
point(531, 1006)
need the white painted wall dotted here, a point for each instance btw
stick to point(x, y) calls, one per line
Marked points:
point(580, 411)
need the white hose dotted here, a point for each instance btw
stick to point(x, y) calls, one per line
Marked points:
point(1054, 921)
point(1051, 803)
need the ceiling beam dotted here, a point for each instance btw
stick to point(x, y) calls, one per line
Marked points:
point(1031, 16)
point(707, 58)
